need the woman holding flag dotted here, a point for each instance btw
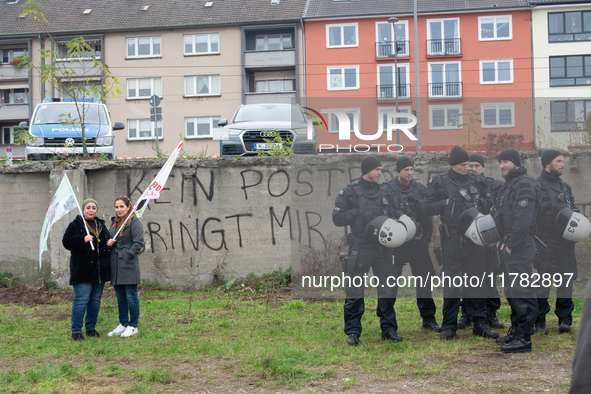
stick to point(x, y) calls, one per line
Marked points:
point(86, 237)
point(127, 240)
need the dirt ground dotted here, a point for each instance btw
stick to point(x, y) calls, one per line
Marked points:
point(494, 372)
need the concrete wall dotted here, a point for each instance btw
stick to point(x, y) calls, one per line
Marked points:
point(232, 216)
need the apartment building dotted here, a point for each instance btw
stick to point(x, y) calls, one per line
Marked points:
point(473, 58)
point(562, 73)
point(201, 58)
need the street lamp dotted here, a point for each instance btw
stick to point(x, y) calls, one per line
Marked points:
point(393, 21)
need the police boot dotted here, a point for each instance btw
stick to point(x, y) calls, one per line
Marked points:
point(353, 340)
point(431, 325)
point(482, 329)
point(520, 344)
point(392, 336)
point(541, 325)
point(465, 319)
point(564, 326)
point(509, 337)
point(447, 334)
point(491, 317)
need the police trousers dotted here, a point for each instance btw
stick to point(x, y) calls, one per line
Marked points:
point(379, 259)
point(518, 290)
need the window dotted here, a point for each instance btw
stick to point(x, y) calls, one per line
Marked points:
point(7, 135)
point(143, 129)
point(9, 54)
point(495, 28)
point(202, 85)
point(569, 115)
point(333, 121)
point(81, 89)
point(144, 88)
point(273, 42)
point(274, 81)
point(200, 44)
point(445, 80)
point(343, 78)
point(444, 116)
point(143, 47)
point(569, 26)
point(444, 37)
point(95, 51)
point(570, 70)
point(496, 71)
point(386, 112)
point(387, 81)
point(385, 39)
point(497, 115)
point(341, 36)
point(14, 96)
point(201, 127)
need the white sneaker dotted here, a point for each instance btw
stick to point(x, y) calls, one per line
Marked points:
point(129, 331)
point(118, 331)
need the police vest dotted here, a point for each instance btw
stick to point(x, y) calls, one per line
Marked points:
point(370, 207)
point(407, 201)
point(462, 196)
point(502, 211)
point(558, 197)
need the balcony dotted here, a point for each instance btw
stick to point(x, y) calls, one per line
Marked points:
point(445, 90)
point(444, 47)
point(269, 58)
point(388, 92)
point(11, 72)
point(385, 49)
point(14, 112)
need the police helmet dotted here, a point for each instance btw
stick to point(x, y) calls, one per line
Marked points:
point(481, 230)
point(572, 225)
point(412, 230)
point(388, 232)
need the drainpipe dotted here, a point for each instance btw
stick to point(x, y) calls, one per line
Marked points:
point(533, 80)
point(42, 44)
point(303, 62)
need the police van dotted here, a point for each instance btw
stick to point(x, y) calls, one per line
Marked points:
point(56, 129)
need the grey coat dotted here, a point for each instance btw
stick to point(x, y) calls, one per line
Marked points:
point(125, 264)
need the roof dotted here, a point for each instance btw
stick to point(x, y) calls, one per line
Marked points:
point(345, 8)
point(66, 16)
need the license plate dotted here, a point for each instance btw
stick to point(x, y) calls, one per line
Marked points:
point(266, 146)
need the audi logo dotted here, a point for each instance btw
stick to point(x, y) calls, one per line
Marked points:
point(267, 134)
point(70, 142)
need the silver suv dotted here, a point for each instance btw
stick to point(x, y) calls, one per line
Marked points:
point(252, 124)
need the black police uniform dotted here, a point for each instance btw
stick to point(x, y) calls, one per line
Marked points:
point(558, 257)
point(355, 206)
point(459, 255)
point(415, 252)
point(516, 214)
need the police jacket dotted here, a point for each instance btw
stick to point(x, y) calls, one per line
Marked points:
point(517, 208)
point(556, 195)
point(359, 203)
point(494, 185)
point(463, 191)
point(409, 201)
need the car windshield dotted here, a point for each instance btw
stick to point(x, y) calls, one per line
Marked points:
point(66, 113)
point(271, 112)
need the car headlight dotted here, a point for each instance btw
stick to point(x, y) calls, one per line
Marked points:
point(104, 141)
point(35, 141)
point(235, 132)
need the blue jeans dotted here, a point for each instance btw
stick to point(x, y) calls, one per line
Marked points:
point(87, 300)
point(128, 304)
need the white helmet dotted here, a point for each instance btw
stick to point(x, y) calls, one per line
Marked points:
point(572, 225)
point(481, 229)
point(411, 228)
point(388, 232)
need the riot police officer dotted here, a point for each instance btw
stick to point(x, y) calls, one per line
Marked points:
point(356, 206)
point(449, 195)
point(492, 265)
point(516, 212)
point(558, 254)
point(409, 194)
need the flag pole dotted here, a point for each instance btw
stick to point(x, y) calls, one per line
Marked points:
point(130, 213)
point(81, 214)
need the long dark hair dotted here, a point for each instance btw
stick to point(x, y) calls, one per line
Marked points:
point(127, 202)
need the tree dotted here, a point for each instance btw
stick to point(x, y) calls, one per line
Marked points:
point(470, 136)
point(74, 78)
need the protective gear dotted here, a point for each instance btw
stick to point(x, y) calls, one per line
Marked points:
point(572, 225)
point(412, 230)
point(388, 232)
point(481, 228)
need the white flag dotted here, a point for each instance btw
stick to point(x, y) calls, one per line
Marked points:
point(63, 202)
point(153, 191)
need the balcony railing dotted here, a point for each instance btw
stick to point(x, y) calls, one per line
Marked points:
point(444, 47)
point(388, 92)
point(385, 49)
point(445, 90)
